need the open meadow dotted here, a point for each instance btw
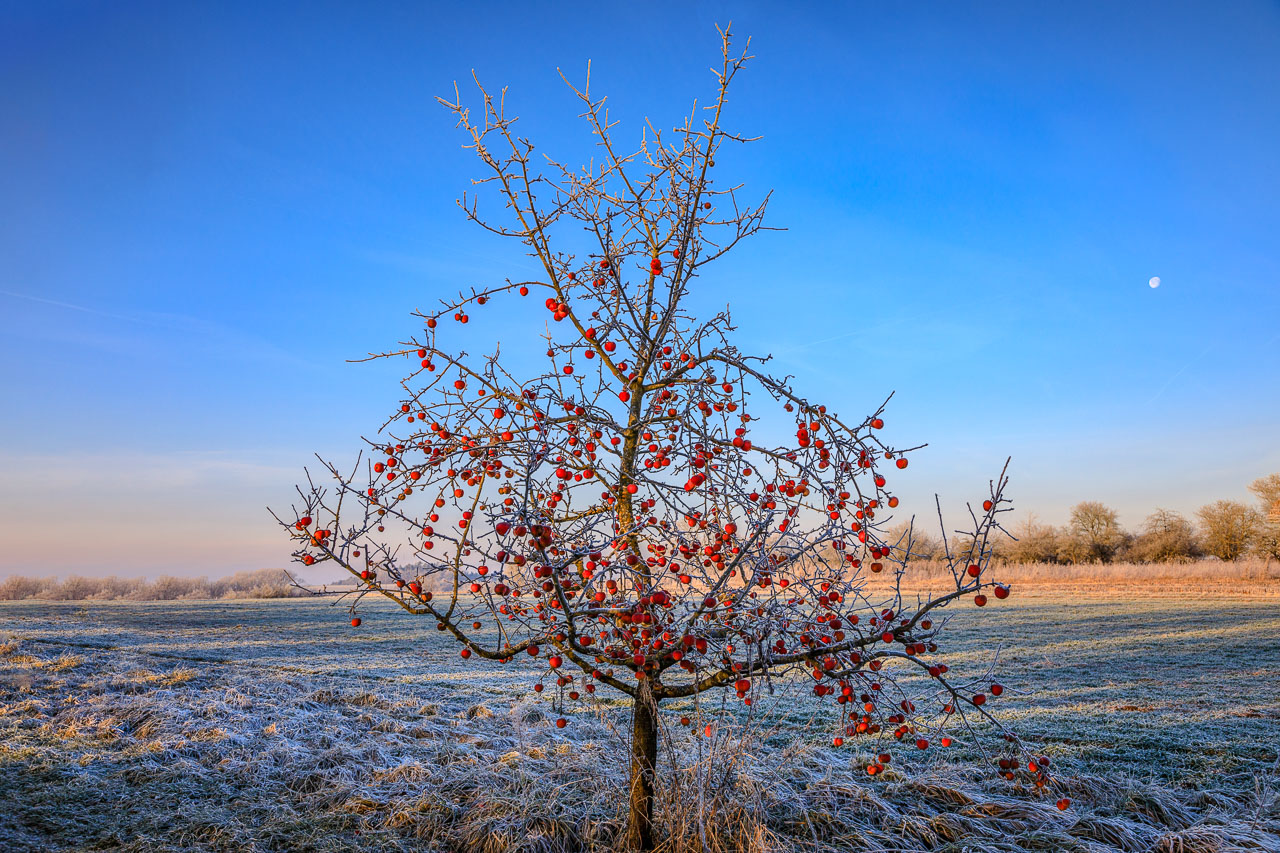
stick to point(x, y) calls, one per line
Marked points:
point(274, 725)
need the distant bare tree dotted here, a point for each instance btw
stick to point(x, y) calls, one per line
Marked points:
point(1095, 532)
point(1268, 491)
point(1228, 528)
point(1166, 535)
point(1032, 543)
point(1267, 542)
point(909, 543)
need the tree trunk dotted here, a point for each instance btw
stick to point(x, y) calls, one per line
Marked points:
point(644, 756)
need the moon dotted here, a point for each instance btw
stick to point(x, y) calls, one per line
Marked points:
point(1155, 281)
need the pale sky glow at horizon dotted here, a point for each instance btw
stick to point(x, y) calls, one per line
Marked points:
point(1050, 231)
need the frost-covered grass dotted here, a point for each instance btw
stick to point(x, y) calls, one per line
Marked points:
point(273, 725)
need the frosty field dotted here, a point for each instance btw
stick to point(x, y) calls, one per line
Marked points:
point(274, 725)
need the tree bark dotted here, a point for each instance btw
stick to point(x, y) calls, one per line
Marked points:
point(644, 757)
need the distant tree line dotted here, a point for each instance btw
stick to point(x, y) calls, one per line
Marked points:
point(263, 583)
point(1227, 530)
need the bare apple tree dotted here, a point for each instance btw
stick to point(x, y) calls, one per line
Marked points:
point(610, 511)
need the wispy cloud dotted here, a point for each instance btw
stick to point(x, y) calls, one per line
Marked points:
point(116, 471)
point(195, 331)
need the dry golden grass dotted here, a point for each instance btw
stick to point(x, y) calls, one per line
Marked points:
point(1253, 576)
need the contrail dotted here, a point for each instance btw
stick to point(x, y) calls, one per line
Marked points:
point(69, 305)
point(1184, 367)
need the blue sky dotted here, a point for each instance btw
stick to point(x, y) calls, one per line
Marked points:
point(209, 209)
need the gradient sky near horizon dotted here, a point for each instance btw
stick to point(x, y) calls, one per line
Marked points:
point(208, 208)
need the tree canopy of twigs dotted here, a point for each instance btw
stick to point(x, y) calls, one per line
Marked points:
point(612, 510)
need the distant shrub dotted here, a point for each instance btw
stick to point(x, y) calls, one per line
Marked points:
point(18, 588)
point(166, 588)
point(72, 589)
point(114, 588)
point(263, 583)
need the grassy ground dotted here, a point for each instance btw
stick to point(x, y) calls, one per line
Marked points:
point(273, 725)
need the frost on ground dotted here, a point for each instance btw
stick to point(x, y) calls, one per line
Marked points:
point(273, 726)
